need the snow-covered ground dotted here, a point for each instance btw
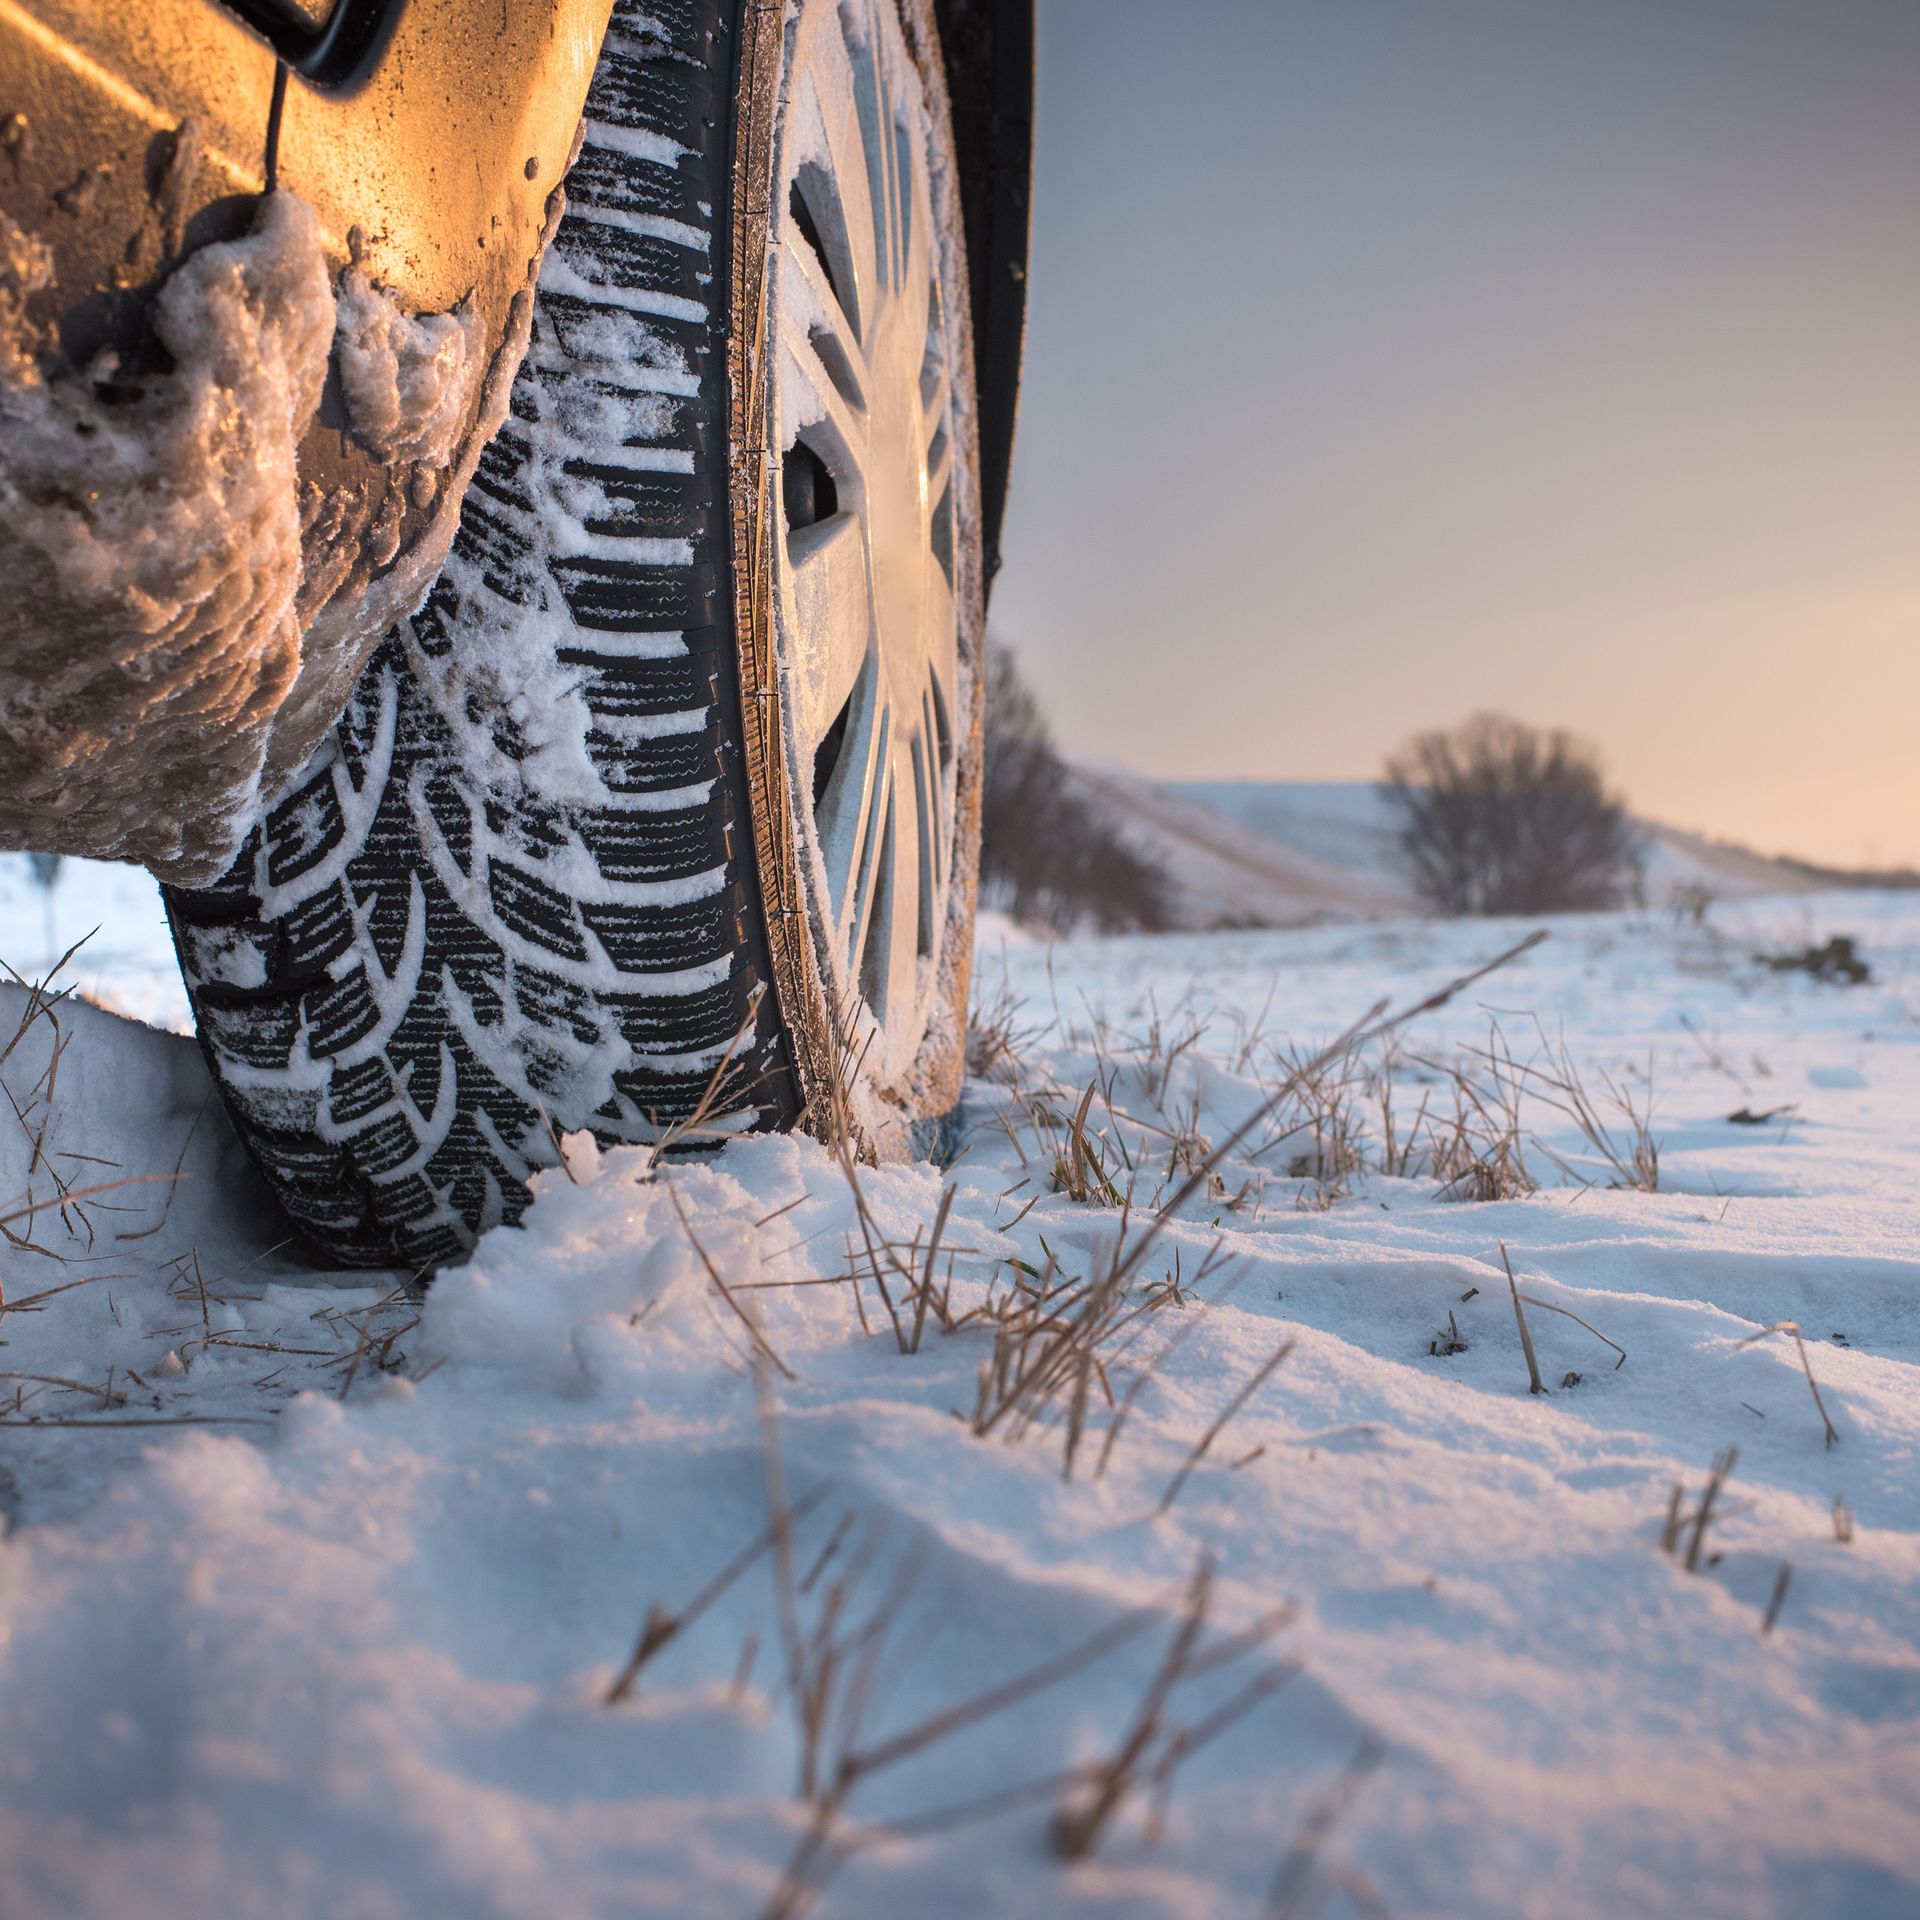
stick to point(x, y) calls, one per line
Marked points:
point(1214, 1560)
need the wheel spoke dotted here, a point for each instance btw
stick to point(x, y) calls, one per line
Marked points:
point(909, 227)
point(821, 349)
point(845, 813)
point(939, 469)
point(891, 947)
point(936, 389)
point(847, 177)
point(916, 267)
point(827, 573)
point(943, 645)
point(870, 95)
point(931, 816)
point(817, 299)
point(866, 876)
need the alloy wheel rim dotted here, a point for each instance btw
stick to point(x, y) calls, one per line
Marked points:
point(863, 423)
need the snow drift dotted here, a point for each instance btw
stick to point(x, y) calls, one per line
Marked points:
point(363, 1639)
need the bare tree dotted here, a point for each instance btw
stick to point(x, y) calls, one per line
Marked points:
point(1500, 817)
point(1046, 855)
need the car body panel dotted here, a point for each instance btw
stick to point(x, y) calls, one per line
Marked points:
point(135, 140)
point(135, 137)
point(443, 151)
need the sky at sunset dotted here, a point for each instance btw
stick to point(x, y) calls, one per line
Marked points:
point(1391, 359)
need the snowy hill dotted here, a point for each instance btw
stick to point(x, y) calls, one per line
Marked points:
point(1288, 853)
point(1227, 866)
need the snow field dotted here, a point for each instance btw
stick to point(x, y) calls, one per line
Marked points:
point(347, 1647)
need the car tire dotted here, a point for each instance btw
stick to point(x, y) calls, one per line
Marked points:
point(603, 837)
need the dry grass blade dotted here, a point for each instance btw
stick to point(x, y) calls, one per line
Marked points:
point(699, 1124)
point(780, 1528)
point(1009, 1693)
point(1716, 1059)
point(1261, 1375)
point(725, 1292)
point(661, 1626)
point(105, 1394)
point(1703, 1516)
point(32, 1302)
point(1076, 1829)
point(1547, 1306)
point(924, 1293)
point(1670, 1530)
point(1434, 1001)
point(68, 1196)
point(1782, 1581)
point(992, 1805)
point(1294, 1881)
point(1184, 1742)
point(158, 1420)
point(1806, 1367)
point(1534, 1382)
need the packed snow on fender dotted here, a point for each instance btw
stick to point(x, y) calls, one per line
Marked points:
point(1143, 1513)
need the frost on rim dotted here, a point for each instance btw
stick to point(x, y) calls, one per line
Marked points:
point(874, 540)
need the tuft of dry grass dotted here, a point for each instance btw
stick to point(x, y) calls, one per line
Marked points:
point(1337, 1112)
point(50, 1188)
point(996, 1040)
point(1397, 1156)
point(1692, 1527)
point(1628, 1150)
point(1081, 1158)
point(1048, 1332)
point(1479, 1156)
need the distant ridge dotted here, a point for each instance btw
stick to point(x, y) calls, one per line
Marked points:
point(1282, 853)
